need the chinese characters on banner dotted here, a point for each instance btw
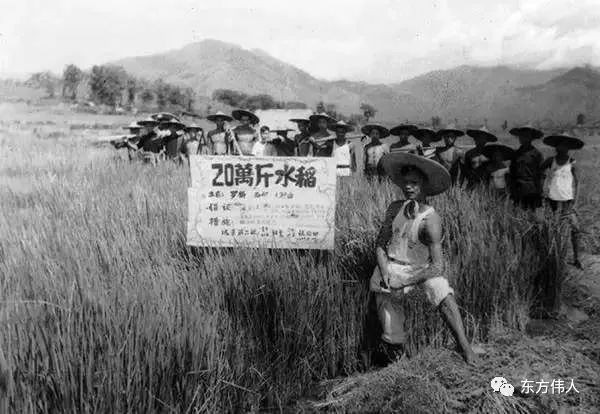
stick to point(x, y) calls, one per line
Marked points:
point(271, 202)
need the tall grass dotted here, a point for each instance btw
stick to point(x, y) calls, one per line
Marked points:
point(105, 308)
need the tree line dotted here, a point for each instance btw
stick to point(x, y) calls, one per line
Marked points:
point(112, 86)
point(263, 101)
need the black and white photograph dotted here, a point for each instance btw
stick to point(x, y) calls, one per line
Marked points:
point(260, 206)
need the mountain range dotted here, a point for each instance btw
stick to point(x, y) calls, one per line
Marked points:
point(468, 94)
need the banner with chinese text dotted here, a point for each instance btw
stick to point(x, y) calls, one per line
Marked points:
point(270, 202)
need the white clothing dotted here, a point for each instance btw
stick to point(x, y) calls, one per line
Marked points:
point(374, 154)
point(499, 178)
point(258, 150)
point(407, 255)
point(558, 184)
point(342, 155)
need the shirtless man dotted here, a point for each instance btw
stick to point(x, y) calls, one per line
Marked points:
point(374, 150)
point(218, 139)
point(244, 135)
point(448, 155)
point(409, 252)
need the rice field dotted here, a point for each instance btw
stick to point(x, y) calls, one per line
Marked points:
point(105, 308)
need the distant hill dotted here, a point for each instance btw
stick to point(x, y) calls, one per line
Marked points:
point(469, 94)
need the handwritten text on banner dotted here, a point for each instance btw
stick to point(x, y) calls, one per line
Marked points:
point(275, 202)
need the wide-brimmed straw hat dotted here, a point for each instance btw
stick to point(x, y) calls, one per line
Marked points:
point(219, 115)
point(565, 139)
point(438, 178)
point(173, 124)
point(482, 133)
point(133, 125)
point(164, 116)
point(193, 127)
point(527, 130)
point(341, 124)
point(452, 130)
point(148, 122)
point(397, 130)
point(239, 113)
point(383, 131)
point(421, 132)
point(314, 118)
point(506, 152)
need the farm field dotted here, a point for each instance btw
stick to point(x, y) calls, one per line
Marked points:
point(105, 308)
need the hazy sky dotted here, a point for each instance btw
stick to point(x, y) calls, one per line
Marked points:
point(372, 40)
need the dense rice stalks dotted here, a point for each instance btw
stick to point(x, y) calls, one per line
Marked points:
point(105, 308)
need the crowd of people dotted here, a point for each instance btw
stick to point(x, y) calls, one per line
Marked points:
point(408, 247)
point(520, 174)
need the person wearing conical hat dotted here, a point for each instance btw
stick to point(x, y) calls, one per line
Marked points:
point(284, 145)
point(150, 136)
point(474, 166)
point(244, 135)
point(128, 140)
point(426, 136)
point(343, 151)
point(403, 132)
point(409, 251)
point(497, 169)
point(219, 138)
point(192, 143)
point(374, 150)
point(173, 139)
point(561, 184)
point(322, 139)
point(448, 155)
point(303, 144)
point(525, 169)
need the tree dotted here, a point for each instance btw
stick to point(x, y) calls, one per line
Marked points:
point(147, 96)
point(331, 110)
point(505, 125)
point(229, 97)
point(72, 76)
point(107, 83)
point(435, 121)
point(189, 99)
point(44, 80)
point(368, 111)
point(161, 91)
point(580, 119)
point(132, 90)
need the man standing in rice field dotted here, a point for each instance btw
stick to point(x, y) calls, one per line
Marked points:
point(403, 131)
point(448, 155)
point(561, 185)
point(244, 135)
point(375, 150)
point(303, 144)
point(525, 169)
point(475, 161)
point(343, 151)
point(409, 253)
point(218, 139)
point(322, 140)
